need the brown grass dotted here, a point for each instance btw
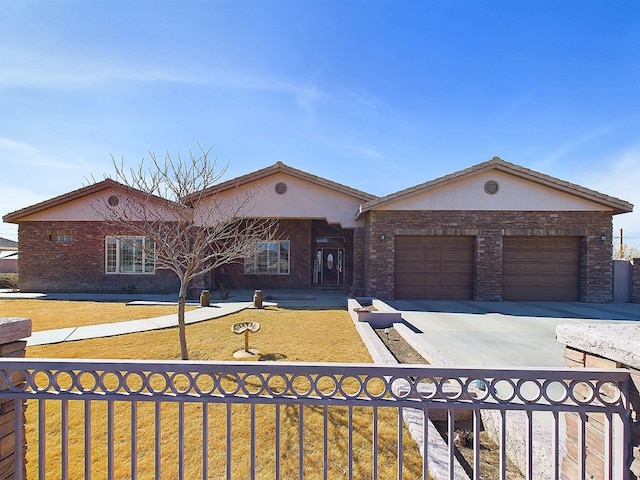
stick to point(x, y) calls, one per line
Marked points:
point(288, 335)
point(50, 314)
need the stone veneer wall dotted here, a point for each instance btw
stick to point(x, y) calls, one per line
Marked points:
point(12, 330)
point(488, 228)
point(78, 264)
point(602, 346)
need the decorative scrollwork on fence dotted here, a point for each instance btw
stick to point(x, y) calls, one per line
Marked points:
point(258, 381)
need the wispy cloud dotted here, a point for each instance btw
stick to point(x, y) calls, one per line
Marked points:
point(574, 144)
point(19, 153)
point(64, 71)
point(619, 177)
point(362, 151)
point(25, 68)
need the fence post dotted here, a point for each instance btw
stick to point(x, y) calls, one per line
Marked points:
point(13, 331)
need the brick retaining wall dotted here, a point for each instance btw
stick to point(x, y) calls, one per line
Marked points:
point(601, 346)
point(12, 331)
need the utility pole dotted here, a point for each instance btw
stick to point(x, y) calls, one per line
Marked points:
point(621, 247)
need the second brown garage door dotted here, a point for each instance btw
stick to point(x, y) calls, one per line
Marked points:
point(541, 268)
point(434, 267)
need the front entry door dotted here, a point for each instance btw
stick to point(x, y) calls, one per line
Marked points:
point(330, 263)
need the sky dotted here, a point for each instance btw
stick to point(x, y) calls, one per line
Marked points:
point(377, 95)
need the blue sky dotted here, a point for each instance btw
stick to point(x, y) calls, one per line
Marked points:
point(378, 95)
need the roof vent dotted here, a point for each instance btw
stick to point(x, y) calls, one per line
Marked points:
point(113, 201)
point(281, 188)
point(491, 187)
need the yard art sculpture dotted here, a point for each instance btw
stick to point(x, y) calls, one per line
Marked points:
point(245, 327)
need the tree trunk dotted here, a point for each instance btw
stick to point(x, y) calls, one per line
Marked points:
point(182, 329)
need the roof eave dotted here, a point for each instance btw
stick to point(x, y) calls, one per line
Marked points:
point(617, 205)
point(272, 170)
point(14, 217)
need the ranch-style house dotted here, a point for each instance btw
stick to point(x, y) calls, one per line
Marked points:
point(494, 231)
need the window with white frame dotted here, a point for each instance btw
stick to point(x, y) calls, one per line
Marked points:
point(271, 258)
point(129, 255)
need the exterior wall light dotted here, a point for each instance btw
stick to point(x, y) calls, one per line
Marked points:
point(382, 237)
point(603, 237)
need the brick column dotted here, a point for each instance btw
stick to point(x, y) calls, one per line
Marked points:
point(12, 330)
point(635, 279)
point(602, 346)
point(357, 284)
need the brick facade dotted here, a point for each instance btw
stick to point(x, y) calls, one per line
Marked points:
point(70, 257)
point(302, 235)
point(488, 229)
point(357, 285)
point(298, 232)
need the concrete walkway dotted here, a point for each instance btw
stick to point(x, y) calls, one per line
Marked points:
point(200, 314)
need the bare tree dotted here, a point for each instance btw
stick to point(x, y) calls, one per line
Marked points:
point(626, 252)
point(188, 230)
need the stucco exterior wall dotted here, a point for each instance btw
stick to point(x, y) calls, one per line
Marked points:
point(77, 265)
point(488, 229)
point(9, 265)
point(302, 199)
point(514, 193)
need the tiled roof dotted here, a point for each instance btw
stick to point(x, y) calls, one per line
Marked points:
point(6, 244)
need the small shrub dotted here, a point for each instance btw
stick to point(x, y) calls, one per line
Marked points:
point(9, 280)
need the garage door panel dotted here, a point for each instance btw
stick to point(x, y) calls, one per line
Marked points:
point(410, 256)
point(444, 269)
point(410, 266)
point(411, 292)
point(414, 279)
point(541, 268)
point(456, 269)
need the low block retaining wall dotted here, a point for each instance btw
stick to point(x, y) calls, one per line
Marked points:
point(382, 315)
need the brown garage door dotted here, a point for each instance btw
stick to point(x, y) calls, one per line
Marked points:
point(541, 268)
point(434, 267)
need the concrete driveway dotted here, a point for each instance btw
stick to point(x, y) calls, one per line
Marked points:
point(503, 333)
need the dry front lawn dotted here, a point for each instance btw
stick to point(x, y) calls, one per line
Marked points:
point(285, 335)
point(51, 314)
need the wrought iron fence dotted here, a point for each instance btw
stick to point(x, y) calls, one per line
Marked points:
point(141, 419)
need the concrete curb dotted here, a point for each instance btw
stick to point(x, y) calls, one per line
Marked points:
point(413, 418)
